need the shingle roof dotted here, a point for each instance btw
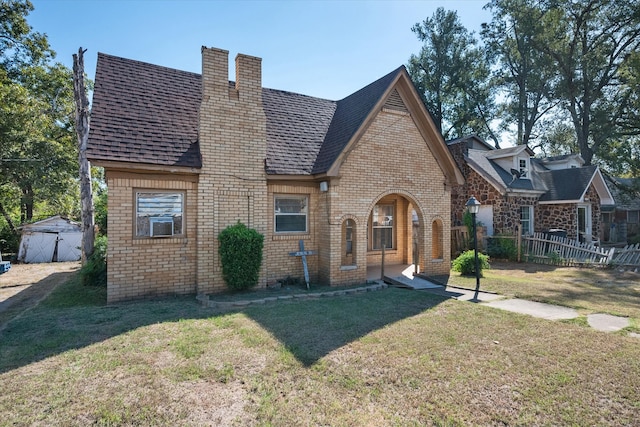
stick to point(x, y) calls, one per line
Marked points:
point(296, 128)
point(144, 113)
point(566, 184)
point(502, 178)
point(556, 185)
point(349, 116)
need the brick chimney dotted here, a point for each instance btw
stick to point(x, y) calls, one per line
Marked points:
point(232, 185)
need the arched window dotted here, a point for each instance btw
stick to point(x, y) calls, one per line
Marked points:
point(348, 242)
point(437, 250)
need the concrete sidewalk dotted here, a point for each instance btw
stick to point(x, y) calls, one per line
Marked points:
point(598, 321)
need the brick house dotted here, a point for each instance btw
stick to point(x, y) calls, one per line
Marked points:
point(186, 155)
point(540, 194)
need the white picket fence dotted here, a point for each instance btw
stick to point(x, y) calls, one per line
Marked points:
point(547, 249)
point(627, 257)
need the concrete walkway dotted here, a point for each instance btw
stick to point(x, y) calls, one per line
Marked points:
point(402, 276)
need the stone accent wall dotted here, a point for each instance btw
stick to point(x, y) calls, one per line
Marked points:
point(506, 208)
point(149, 266)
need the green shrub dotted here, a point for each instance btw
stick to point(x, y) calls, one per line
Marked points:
point(241, 256)
point(94, 270)
point(502, 248)
point(465, 263)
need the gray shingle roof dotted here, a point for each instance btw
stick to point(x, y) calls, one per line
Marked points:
point(557, 185)
point(566, 184)
point(148, 114)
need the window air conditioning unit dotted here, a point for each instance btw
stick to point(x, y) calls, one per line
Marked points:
point(161, 227)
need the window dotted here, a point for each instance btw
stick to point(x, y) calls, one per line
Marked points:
point(348, 241)
point(523, 168)
point(290, 214)
point(382, 229)
point(159, 214)
point(632, 217)
point(526, 219)
point(437, 249)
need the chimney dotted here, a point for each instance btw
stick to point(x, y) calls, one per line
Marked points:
point(248, 76)
point(215, 72)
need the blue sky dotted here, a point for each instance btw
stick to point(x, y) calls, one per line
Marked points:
point(327, 49)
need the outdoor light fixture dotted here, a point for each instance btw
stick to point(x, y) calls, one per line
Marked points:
point(474, 206)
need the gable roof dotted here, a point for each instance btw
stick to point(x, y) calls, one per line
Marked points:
point(552, 186)
point(502, 180)
point(568, 185)
point(349, 117)
point(147, 114)
point(158, 123)
point(472, 141)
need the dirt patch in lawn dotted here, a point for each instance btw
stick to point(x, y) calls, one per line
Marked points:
point(24, 285)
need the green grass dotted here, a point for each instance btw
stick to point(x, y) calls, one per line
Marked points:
point(390, 357)
point(590, 290)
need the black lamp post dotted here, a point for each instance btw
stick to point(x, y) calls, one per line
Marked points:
point(474, 206)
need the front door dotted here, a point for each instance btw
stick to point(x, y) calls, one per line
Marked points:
point(584, 223)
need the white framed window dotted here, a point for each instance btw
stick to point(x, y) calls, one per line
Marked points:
point(382, 227)
point(523, 167)
point(159, 214)
point(526, 219)
point(291, 214)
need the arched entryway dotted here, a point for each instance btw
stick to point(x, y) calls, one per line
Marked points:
point(395, 227)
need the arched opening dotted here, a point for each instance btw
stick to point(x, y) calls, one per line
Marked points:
point(437, 242)
point(395, 224)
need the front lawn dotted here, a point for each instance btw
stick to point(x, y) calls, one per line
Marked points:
point(590, 290)
point(390, 357)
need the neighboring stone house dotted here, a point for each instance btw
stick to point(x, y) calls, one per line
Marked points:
point(186, 155)
point(514, 188)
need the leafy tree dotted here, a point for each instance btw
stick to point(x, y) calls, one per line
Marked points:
point(589, 43)
point(38, 166)
point(524, 74)
point(452, 77)
point(20, 46)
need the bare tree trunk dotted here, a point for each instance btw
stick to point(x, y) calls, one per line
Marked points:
point(82, 129)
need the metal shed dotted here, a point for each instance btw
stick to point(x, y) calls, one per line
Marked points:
point(54, 239)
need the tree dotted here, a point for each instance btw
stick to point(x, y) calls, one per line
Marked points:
point(37, 153)
point(452, 77)
point(82, 129)
point(20, 46)
point(589, 42)
point(524, 74)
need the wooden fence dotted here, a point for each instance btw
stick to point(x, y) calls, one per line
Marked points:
point(627, 257)
point(548, 249)
point(544, 248)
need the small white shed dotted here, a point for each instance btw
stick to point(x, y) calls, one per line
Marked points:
point(54, 239)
